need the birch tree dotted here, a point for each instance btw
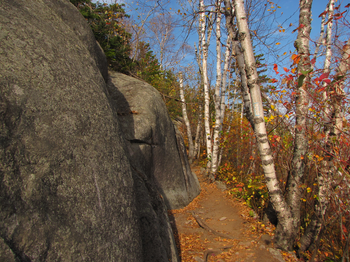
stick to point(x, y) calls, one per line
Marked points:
point(314, 228)
point(288, 221)
point(197, 141)
point(185, 117)
point(204, 40)
point(217, 97)
point(220, 89)
point(280, 206)
point(300, 141)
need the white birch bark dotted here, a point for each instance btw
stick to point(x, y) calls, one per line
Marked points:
point(300, 142)
point(217, 97)
point(327, 61)
point(248, 110)
point(228, 54)
point(276, 196)
point(321, 38)
point(185, 117)
point(204, 43)
point(197, 144)
point(332, 130)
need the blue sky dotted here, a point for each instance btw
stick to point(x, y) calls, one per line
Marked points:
point(283, 20)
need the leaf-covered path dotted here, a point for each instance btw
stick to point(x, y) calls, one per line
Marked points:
point(215, 227)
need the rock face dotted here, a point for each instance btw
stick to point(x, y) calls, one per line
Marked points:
point(152, 143)
point(68, 188)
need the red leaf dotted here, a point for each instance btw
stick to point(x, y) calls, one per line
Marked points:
point(327, 81)
point(286, 69)
point(324, 75)
point(344, 229)
point(313, 61)
point(337, 18)
point(323, 13)
point(348, 5)
point(293, 93)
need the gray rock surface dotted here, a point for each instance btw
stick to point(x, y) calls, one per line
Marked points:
point(151, 143)
point(221, 185)
point(68, 191)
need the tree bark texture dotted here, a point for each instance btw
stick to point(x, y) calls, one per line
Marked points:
point(293, 187)
point(276, 196)
point(187, 122)
point(197, 141)
point(315, 226)
point(204, 44)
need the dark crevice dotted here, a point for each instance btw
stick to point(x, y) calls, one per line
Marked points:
point(138, 141)
point(19, 255)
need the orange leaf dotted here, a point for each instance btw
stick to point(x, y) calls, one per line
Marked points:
point(296, 59)
point(286, 69)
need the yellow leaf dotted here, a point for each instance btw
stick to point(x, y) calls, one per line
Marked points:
point(284, 53)
point(278, 43)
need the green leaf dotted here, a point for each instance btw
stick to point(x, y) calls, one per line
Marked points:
point(306, 72)
point(301, 80)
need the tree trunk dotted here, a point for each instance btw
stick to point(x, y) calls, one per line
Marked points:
point(294, 181)
point(187, 122)
point(197, 143)
point(204, 43)
point(333, 129)
point(276, 195)
point(217, 97)
point(315, 226)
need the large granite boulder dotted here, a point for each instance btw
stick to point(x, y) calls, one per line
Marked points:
point(153, 147)
point(68, 191)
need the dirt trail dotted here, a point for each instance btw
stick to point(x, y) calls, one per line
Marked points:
point(229, 233)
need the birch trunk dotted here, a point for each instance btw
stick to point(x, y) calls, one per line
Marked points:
point(314, 228)
point(197, 144)
point(332, 131)
point(217, 97)
point(227, 62)
point(294, 181)
point(228, 53)
point(204, 43)
point(248, 110)
point(286, 240)
point(187, 122)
